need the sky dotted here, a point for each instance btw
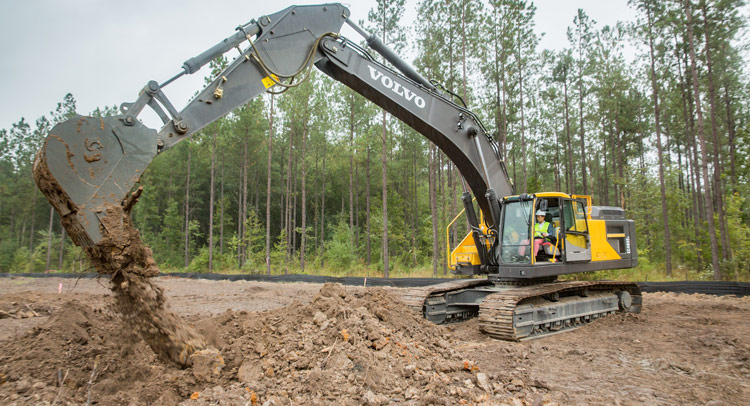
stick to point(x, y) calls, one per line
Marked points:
point(104, 52)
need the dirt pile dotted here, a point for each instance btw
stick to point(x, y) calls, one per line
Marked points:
point(80, 353)
point(343, 347)
point(20, 308)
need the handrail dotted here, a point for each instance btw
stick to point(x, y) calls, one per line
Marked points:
point(557, 241)
point(448, 231)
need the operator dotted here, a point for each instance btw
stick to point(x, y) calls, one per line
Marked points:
point(541, 230)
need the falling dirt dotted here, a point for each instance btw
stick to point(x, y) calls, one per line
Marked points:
point(128, 261)
point(284, 344)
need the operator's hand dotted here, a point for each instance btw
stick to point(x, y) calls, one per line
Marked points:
point(545, 234)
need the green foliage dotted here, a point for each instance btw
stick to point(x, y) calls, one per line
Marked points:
point(255, 244)
point(8, 248)
point(22, 261)
point(339, 251)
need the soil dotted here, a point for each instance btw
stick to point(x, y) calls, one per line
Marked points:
point(121, 254)
point(290, 344)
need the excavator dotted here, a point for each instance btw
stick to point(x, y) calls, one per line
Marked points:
point(88, 168)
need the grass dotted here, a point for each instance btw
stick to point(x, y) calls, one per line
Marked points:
point(646, 271)
point(359, 270)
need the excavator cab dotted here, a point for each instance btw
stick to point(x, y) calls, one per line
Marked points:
point(581, 238)
point(524, 246)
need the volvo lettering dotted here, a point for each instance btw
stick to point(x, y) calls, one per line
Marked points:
point(396, 87)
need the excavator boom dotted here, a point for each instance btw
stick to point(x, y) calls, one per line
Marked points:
point(87, 163)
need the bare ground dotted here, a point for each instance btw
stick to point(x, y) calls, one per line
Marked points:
point(285, 344)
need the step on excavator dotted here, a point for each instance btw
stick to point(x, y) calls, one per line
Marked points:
point(89, 167)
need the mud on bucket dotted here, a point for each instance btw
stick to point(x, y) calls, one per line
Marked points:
point(87, 164)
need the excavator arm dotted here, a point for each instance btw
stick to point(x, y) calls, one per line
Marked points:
point(88, 165)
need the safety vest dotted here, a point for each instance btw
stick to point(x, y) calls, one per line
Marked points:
point(540, 228)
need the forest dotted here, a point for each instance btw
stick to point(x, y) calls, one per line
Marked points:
point(320, 180)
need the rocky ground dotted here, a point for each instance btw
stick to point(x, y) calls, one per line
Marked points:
point(294, 344)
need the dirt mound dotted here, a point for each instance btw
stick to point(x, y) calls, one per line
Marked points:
point(342, 347)
point(84, 353)
point(347, 348)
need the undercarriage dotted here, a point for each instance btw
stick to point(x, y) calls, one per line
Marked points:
point(524, 309)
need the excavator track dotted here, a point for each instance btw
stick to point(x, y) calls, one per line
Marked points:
point(416, 298)
point(540, 310)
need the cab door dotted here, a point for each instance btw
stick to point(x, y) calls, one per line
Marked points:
point(576, 231)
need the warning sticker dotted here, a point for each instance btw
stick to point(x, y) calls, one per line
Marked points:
point(268, 82)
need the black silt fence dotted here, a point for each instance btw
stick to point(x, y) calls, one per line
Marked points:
point(704, 287)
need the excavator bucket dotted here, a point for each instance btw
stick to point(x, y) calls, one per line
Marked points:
point(89, 164)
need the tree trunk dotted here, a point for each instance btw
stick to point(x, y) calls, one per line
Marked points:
point(61, 257)
point(287, 211)
point(580, 122)
point(368, 257)
point(268, 191)
point(463, 50)
point(351, 162)
point(569, 168)
point(187, 211)
point(211, 205)
point(662, 186)
point(441, 204)
point(704, 155)
point(239, 207)
point(303, 225)
point(726, 252)
point(504, 119)
point(221, 209)
point(384, 163)
point(732, 136)
point(49, 238)
point(243, 213)
point(323, 202)
point(415, 209)
point(433, 210)
point(316, 204)
point(524, 180)
point(557, 161)
point(620, 164)
point(33, 217)
point(295, 194)
point(693, 184)
point(357, 238)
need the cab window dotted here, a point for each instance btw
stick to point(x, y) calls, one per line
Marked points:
point(516, 247)
point(575, 216)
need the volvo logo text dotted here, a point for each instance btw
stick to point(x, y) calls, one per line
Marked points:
point(396, 87)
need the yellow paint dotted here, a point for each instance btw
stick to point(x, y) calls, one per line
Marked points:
point(601, 250)
point(268, 82)
point(576, 240)
point(588, 202)
point(466, 251)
